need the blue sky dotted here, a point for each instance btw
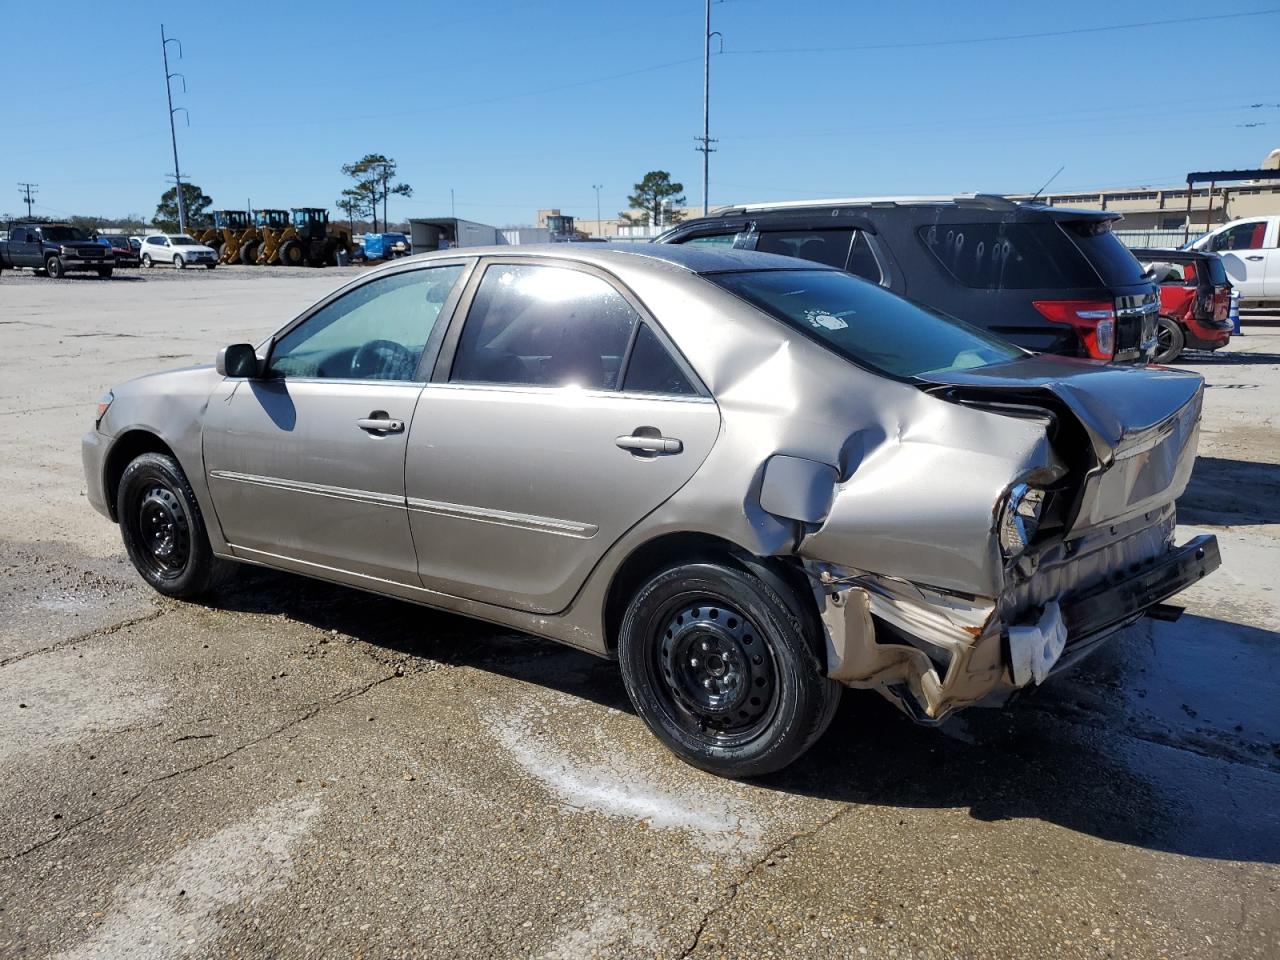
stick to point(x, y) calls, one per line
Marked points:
point(519, 105)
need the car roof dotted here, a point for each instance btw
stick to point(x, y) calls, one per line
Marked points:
point(695, 259)
point(980, 203)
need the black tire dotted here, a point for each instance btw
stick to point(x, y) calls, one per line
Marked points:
point(210, 266)
point(163, 530)
point(723, 665)
point(1169, 341)
point(178, 262)
point(105, 272)
point(249, 253)
point(146, 260)
point(53, 267)
point(291, 253)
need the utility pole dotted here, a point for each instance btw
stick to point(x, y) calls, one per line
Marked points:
point(453, 210)
point(385, 225)
point(173, 133)
point(597, 187)
point(26, 189)
point(705, 140)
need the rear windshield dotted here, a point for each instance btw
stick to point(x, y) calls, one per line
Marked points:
point(866, 324)
point(63, 234)
point(1111, 258)
point(1009, 256)
point(1217, 271)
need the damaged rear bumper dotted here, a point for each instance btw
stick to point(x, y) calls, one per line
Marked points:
point(932, 652)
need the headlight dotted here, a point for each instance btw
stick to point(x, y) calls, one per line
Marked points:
point(1020, 518)
point(103, 402)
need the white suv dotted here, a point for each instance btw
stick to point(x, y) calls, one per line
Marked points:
point(1250, 250)
point(178, 249)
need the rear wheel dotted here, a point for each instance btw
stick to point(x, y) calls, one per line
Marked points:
point(53, 267)
point(721, 663)
point(249, 253)
point(163, 530)
point(292, 254)
point(1169, 341)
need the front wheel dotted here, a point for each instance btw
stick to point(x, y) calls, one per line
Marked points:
point(105, 272)
point(146, 260)
point(53, 267)
point(163, 530)
point(210, 266)
point(722, 664)
point(1169, 341)
point(178, 262)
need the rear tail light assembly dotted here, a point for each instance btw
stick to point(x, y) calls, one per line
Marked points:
point(1094, 321)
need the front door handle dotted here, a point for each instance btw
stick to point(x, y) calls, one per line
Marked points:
point(650, 444)
point(1255, 257)
point(380, 423)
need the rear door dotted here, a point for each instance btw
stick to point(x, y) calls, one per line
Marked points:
point(558, 417)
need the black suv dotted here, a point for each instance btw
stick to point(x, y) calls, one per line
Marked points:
point(1052, 280)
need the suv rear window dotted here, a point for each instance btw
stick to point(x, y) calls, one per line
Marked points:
point(1217, 271)
point(1010, 256)
point(865, 323)
point(1111, 258)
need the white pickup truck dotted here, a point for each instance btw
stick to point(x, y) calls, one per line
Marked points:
point(1250, 250)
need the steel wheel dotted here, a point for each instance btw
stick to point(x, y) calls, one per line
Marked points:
point(163, 532)
point(718, 678)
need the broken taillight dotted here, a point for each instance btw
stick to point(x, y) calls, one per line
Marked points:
point(1094, 321)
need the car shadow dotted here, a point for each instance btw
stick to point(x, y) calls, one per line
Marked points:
point(1227, 358)
point(1033, 759)
point(1229, 493)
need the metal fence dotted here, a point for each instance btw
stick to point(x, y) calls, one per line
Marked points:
point(1159, 239)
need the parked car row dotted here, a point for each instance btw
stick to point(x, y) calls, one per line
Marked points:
point(56, 249)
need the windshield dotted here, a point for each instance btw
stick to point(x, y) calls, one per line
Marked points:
point(866, 323)
point(116, 241)
point(183, 242)
point(63, 234)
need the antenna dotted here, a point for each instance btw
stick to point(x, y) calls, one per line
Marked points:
point(1046, 183)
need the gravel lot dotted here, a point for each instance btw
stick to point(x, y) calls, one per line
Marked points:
point(300, 770)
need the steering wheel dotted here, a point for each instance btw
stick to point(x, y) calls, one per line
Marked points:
point(383, 360)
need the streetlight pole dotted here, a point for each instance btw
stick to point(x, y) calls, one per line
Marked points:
point(597, 187)
point(173, 133)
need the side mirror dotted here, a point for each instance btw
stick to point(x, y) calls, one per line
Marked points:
point(237, 360)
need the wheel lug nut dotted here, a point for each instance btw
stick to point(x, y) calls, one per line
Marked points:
point(693, 661)
point(707, 683)
point(705, 646)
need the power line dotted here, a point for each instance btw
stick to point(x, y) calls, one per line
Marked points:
point(999, 38)
point(27, 189)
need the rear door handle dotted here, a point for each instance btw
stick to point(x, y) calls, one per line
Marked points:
point(380, 424)
point(653, 446)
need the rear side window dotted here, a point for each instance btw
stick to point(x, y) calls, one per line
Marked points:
point(862, 259)
point(1009, 256)
point(544, 326)
point(821, 246)
point(867, 324)
point(652, 369)
point(714, 240)
point(1115, 264)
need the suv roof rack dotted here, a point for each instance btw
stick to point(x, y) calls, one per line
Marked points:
point(985, 201)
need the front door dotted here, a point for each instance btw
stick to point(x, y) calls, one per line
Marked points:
point(306, 465)
point(563, 419)
point(1243, 251)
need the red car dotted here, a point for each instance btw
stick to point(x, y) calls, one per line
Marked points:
point(125, 253)
point(1195, 301)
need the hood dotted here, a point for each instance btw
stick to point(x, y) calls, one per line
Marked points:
point(1140, 424)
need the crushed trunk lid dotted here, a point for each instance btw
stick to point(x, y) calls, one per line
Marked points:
point(1141, 424)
